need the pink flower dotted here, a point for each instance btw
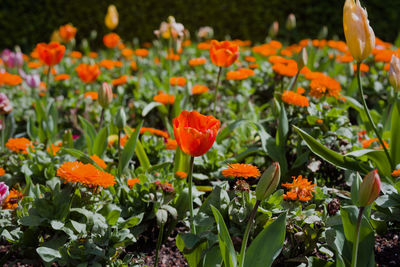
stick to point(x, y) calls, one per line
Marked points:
point(3, 192)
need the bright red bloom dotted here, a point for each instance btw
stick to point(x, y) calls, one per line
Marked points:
point(88, 73)
point(111, 40)
point(223, 54)
point(194, 132)
point(50, 54)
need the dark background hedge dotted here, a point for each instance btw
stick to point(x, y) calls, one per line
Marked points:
point(26, 22)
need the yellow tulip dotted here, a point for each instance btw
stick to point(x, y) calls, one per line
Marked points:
point(359, 35)
point(111, 19)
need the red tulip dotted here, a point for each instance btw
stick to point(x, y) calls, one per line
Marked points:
point(195, 133)
point(50, 54)
point(223, 54)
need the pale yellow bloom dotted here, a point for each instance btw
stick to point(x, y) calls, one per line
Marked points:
point(111, 19)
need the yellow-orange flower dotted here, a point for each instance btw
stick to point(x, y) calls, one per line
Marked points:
point(2, 171)
point(142, 52)
point(199, 89)
point(177, 81)
point(294, 98)
point(10, 79)
point(120, 81)
point(67, 32)
point(86, 174)
point(19, 145)
point(76, 54)
point(181, 174)
point(53, 149)
point(111, 40)
point(91, 94)
point(98, 161)
point(241, 170)
point(93, 55)
point(133, 65)
point(396, 173)
point(164, 98)
point(127, 53)
point(223, 54)
point(61, 77)
point(88, 73)
point(171, 144)
point(197, 61)
point(154, 131)
point(300, 189)
point(11, 202)
point(368, 142)
point(132, 182)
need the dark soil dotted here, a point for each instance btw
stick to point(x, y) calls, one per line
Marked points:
point(387, 249)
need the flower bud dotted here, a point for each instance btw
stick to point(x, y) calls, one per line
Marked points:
point(273, 30)
point(360, 37)
point(32, 80)
point(302, 59)
point(268, 182)
point(105, 95)
point(369, 189)
point(3, 192)
point(120, 119)
point(5, 105)
point(111, 19)
point(291, 22)
point(394, 73)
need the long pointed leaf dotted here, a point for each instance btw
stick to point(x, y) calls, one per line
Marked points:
point(129, 149)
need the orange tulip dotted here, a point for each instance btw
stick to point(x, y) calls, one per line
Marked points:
point(88, 73)
point(195, 133)
point(67, 32)
point(111, 40)
point(50, 54)
point(223, 54)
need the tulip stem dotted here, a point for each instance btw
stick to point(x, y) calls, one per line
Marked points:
point(101, 118)
point(48, 81)
point(247, 232)
point(356, 238)
point(369, 116)
point(159, 240)
point(190, 177)
point(216, 90)
point(119, 151)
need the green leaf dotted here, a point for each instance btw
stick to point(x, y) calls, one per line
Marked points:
point(79, 227)
point(89, 131)
point(149, 107)
point(378, 157)
point(129, 149)
point(331, 156)
point(132, 221)
point(395, 136)
point(283, 127)
point(142, 156)
point(355, 188)
point(111, 212)
point(100, 142)
point(267, 245)
point(192, 247)
point(48, 254)
point(226, 247)
point(31, 220)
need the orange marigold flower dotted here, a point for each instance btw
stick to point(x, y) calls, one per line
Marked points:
point(132, 182)
point(91, 94)
point(253, 66)
point(93, 55)
point(171, 56)
point(164, 98)
point(199, 89)
point(296, 99)
point(361, 135)
point(34, 64)
point(98, 161)
point(53, 149)
point(133, 65)
point(289, 70)
point(197, 61)
point(86, 174)
point(111, 40)
point(10, 79)
point(120, 81)
point(127, 53)
point(250, 59)
point(368, 142)
point(11, 202)
point(154, 131)
point(177, 81)
point(396, 173)
point(181, 174)
point(88, 73)
point(325, 85)
point(107, 63)
point(240, 74)
point(204, 46)
point(300, 189)
point(2, 171)
point(67, 32)
point(363, 67)
point(19, 145)
point(171, 144)
point(142, 52)
point(76, 54)
point(61, 77)
point(241, 170)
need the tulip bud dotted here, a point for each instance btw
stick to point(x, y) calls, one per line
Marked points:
point(3, 192)
point(32, 80)
point(5, 105)
point(360, 37)
point(302, 59)
point(369, 189)
point(394, 73)
point(273, 30)
point(120, 119)
point(291, 22)
point(268, 181)
point(105, 95)
point(111, 19)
